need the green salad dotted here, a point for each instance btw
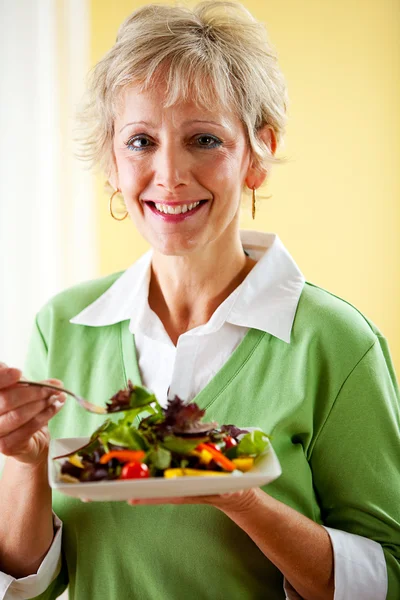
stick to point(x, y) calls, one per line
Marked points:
point(168, 442)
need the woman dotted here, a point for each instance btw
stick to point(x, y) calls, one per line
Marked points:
point(188, 108)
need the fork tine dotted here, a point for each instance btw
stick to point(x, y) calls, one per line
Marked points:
point(99, 410)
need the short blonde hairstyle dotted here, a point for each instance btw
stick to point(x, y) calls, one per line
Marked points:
point(216, 52)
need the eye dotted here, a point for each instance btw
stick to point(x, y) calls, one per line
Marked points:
point(208, 141)
point(138, 142)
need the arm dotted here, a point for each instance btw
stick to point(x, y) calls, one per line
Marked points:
point(355, 459)
point(25, 498)
point(355, 465)
point(300, 548)
point(25, 495)
point(47, 583)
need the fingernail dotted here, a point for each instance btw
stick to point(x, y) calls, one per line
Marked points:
point(58, 396)
point(58, 404)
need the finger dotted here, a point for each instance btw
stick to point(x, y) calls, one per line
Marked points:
point(20, 395)
point(174, 500)
point(8, 376)
point(153, 501)
point(211, 500)
point(16, 418)
point(11, 442)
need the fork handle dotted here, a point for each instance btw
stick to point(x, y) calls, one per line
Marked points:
point(45, 385)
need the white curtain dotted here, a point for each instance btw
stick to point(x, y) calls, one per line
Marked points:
point(47, 218)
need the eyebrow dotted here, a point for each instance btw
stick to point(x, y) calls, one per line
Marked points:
point(184, 123)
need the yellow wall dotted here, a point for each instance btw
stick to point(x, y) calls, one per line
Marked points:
point(336, 203)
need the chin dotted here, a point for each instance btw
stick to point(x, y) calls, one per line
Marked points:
point(174, 247)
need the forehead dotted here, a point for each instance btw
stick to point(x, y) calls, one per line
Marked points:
point(136, 104)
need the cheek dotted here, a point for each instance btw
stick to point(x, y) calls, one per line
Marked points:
point(221, 172)
point(131, 174)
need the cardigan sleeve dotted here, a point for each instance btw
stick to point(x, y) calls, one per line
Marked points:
point(356, 455)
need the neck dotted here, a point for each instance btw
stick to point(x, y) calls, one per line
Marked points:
point(186, 290)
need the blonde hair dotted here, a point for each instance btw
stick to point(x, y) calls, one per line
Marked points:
point(215, 52)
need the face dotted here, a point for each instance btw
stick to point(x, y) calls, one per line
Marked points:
point(180, 169)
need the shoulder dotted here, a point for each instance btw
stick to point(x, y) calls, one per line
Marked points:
point(327, 321)
point(71, 301)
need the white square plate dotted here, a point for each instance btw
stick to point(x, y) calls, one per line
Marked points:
point(265, 470)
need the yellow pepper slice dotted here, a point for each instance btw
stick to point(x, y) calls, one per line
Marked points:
point(204, 456)
point(170, 473)
point(76, 461)
point(243, 464)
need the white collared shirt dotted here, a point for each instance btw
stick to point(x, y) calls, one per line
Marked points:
point(187, 367)
point(266, 300)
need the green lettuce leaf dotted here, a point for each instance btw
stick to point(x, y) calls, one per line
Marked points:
point(141, 397)
point(253, 443)
point(107, 426)
point(159, 457)
point(126, 436)
point(182, 445)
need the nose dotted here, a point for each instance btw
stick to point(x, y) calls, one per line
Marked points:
point(171, 167)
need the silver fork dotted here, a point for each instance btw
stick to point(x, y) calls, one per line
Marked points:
point(93, 408)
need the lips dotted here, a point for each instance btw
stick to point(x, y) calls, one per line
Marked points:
point(175, 211)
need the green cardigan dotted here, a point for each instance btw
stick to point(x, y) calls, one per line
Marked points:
point(329, 399)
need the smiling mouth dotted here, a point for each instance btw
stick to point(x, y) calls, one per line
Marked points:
point(175, 209)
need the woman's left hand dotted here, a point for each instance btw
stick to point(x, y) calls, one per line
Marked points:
point(231, 502)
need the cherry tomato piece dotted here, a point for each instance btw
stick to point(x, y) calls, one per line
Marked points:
point(134, 470)
point(230, 442)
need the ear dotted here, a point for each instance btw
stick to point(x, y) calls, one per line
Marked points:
point(113, 178)
point(255, 176)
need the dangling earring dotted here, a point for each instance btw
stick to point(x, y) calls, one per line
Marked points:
point(110, 207)
point(253, 204)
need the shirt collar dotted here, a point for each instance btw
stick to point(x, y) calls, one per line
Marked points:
point(266, 300)
point(125, 300)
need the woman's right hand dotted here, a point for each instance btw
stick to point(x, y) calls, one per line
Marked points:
point(24, 414)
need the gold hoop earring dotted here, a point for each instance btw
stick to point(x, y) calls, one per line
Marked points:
point(111, 211)
point(253, 204)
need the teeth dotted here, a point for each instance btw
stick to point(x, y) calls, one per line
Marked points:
point(168, 209)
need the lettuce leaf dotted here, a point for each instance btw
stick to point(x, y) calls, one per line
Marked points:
point(125, 436)
point(181, 445)
point(253, 443)
point(159, 457)
point(134, 396)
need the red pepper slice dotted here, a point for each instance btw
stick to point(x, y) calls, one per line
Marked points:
point(123, 456)
point(219, 458)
